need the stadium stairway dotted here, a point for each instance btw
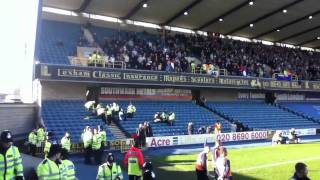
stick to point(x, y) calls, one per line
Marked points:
point(116, 131)
point(259, 115)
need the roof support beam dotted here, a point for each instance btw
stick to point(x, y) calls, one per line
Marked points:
point(224, 14)
point(264, 16)
point(178, 14)
point(307, 41)
point(135, 9)
point(300, 33)
point(286, 25)
point(83, 6)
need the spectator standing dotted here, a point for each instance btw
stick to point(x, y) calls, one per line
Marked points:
point(301, 172)
point(190, 128)
point(134, 161)
point(149, 132)
point(223, 166)
point(201, 164)
point(217, 127)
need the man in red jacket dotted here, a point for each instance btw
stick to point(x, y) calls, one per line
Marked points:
point(134, 161)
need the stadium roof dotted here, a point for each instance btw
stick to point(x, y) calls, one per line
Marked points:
point(295, 22)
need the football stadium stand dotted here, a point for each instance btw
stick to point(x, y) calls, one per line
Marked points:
point(259, 115)
point(310, 109)
point(234, 57)
point(60, 116)
point(68, 115)
point(58, 41)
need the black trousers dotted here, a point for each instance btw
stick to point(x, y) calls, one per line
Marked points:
point(109, 119)
point(133, 177)
point(32, 149)
point(87, 155)
point(97, 153)
point(202, 175)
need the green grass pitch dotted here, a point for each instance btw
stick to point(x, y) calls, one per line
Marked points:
point(265, 163)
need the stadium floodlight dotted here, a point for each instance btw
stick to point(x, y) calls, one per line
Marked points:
point(221, 19)
point(145, 5)
point(284, 11)
point(318, 37)
point(251, 25)
point(310, 17)
point(278, 30)
point(250, 3)
point(186, 13)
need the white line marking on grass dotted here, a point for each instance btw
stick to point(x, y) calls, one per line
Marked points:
point(277, 164)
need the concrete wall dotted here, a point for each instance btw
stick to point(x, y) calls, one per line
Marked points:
point(18, 118)
point(219, 94)
point(63, 90)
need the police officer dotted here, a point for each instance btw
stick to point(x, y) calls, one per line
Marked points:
point(131, 109)
point(33, 139)
point(47, 143)
point(41, 135)
point(96, 146)
point(103, 136)
point(67, 166)
point(109, 170)
point(51, 167)
point(87, 144)
point(109, 114)
point(148, 173)
point(66, 142)
point(134, 161)
point(10, 159)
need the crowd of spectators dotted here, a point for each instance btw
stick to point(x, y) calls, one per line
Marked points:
point(239, 58)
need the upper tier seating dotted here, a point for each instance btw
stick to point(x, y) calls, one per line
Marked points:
point(259, 115)
point(60, 116)
point(58, 40)
point(186, 111)
point(308, 109)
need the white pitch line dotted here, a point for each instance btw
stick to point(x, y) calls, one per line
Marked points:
point(277, 164)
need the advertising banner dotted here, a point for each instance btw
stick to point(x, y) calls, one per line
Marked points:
point(205, 138)
point(299, 132)
point(49, 72)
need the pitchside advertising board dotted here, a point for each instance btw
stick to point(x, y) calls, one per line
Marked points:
point(299, 132)
point(205, 138)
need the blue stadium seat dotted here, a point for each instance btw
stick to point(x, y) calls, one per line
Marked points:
point(259, 115)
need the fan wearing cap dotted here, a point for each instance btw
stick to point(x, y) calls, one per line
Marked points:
point(51, 167)
point(148, 173)
point(109, 170)
point(10, 159)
